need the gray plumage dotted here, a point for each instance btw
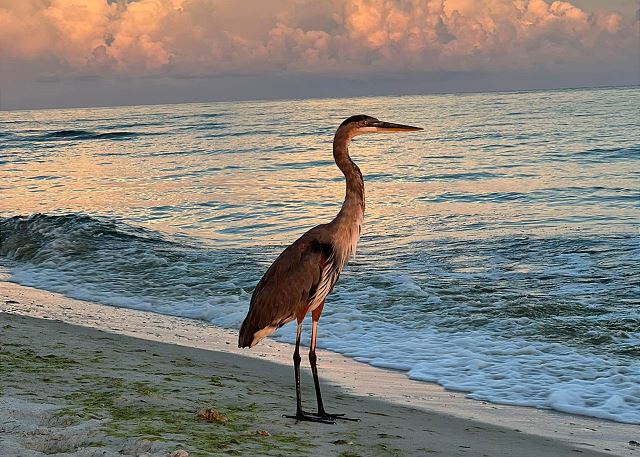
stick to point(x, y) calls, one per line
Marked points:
point(304, 274)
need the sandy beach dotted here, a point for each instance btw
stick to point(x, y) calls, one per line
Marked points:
point(82, 379)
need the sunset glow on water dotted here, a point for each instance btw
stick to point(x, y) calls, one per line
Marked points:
point(505, 235)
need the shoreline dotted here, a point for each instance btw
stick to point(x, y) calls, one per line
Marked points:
point(483, 427)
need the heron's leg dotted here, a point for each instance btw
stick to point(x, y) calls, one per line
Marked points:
point(300, 414)
point(296, 367)
point(314, 369)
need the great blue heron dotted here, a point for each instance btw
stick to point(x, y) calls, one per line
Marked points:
point(300, 279)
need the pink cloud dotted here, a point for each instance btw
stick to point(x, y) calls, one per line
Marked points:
point(195, 36)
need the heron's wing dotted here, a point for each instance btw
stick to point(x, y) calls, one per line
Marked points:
point(302, 276)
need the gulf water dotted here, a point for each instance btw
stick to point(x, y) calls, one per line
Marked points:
point(500, 253)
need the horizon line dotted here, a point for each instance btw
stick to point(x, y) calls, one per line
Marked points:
point(283, 99)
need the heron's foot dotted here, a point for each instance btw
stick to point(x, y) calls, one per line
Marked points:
point(302, 416)
point(325, 415)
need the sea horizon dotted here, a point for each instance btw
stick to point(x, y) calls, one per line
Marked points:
point(503, 237)
point(337, 97)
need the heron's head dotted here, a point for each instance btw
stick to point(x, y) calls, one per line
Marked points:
point(361, 124)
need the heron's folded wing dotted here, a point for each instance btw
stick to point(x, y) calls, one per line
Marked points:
point(296, 277)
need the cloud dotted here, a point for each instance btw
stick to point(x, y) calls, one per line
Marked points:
point(209, 37)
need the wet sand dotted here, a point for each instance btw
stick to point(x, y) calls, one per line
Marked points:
point(127, 382)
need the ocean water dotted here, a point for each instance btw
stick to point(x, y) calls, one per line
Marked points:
point(500, 254)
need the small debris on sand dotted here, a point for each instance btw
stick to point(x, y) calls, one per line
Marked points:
point(342, 442)
point(179, 453)
point(212, 415)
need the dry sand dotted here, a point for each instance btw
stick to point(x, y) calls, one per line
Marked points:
point(123, 382)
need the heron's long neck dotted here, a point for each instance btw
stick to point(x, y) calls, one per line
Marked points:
point(353, 206)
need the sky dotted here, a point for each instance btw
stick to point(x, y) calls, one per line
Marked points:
point(73, 53)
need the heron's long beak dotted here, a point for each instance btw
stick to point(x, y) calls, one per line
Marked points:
point(388, 127)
